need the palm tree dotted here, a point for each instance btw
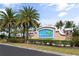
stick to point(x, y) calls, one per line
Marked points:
point(59, 24)
point(8, 17)
point(69, 24)
point(28, 17)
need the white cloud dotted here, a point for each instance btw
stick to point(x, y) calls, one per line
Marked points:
point(51, 4)
point(2, 10)
point(77, 5)
point(29, 1)
point(62, 14)
point(53, 21)
point(48, 21)
point(11, 1)
point(39, 1)
point(7, 4)
point(62, 6)
point(76, 20)
point(70, 7)
point(59, 2)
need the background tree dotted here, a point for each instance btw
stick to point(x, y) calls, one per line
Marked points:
point(69, 24)
point(59, 24)
point(75, 36)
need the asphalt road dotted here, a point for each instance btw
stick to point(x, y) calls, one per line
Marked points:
point(6, 50)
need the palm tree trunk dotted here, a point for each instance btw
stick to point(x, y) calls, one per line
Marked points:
point(27, 33)
point(24, 32)
point(9, 32)
point(15, 32)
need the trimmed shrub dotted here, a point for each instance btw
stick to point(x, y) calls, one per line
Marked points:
point(51, 42)
point(16, 40)
point(2, 36)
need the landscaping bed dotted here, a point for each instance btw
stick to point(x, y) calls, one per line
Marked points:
point(64, 50)
point(48, 42)
point(48, 45)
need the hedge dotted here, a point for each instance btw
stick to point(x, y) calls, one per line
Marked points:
point(16, 40)
point(41, 41)
point(45, 41)
point(3, 36)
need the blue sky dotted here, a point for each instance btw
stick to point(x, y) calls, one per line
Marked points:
point(50, 13)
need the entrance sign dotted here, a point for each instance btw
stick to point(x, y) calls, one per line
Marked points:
point(46, 33)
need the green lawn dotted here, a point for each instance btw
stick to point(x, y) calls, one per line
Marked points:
point(49, 48)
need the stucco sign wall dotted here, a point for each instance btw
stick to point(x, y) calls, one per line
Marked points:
point(46, 33)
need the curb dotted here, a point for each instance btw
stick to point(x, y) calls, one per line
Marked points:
point(61, 54)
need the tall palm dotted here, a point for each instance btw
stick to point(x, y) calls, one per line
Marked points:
point(59, 24)
point(8, 17)
point(28, 18)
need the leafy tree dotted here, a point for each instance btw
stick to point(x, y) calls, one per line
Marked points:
point(75, 36)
